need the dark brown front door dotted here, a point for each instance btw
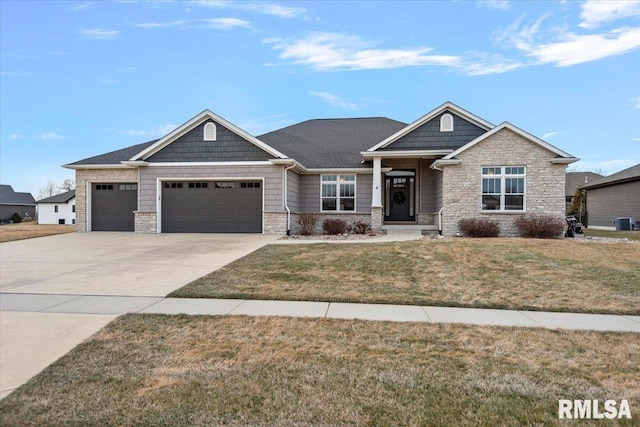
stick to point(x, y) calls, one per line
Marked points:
point(399, 199)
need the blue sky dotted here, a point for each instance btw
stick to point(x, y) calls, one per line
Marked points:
point(82, 78)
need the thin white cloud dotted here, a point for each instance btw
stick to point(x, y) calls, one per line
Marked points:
point(635, 139)
point(479, 64)
point(99, 34)
point(576, 49)
point(636, 103)
point(216, 23)
point(157, 131)
point(83, 6)
point(333, 52)
point(50, 136)
point(550, 134)
point(595, 13)
point(228, 23)
point(334, 101)
point(169, 24)
point(495, 4)
point(265, 8)
point(14, 136)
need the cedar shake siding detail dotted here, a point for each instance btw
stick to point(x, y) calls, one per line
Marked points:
point(429, 137)
point(228, 147)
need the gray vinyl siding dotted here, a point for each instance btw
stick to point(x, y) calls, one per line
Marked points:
point(228, 147)
point(293, 190)
point(309, 193)
point(272, 181)
point(429, 137)
point(427, 186)
point(605, 204)
point(363, 193)
point(438, 195)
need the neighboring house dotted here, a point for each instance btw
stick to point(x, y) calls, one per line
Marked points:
point(58, 209)
point(208, 175)
point(613, 196)
point(12, 202)
point(575, 180)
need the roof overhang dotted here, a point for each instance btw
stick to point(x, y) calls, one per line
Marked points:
point(408, 154)
point(195, 121)
point(565, 160)
point(106, 166)
point(470, 117)
point(135, 163)
point(440, 162)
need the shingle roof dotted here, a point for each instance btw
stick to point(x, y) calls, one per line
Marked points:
point(575, 180)
point(629, 174)
point(59, 198)
point(114, 157)
point(331, 143)
point(10, 197)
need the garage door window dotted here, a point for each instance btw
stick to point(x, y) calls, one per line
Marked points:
point(172, 185)
point(128, 187)
point(249, 185)
point(198, 185)
point(225, 184)
point(104, 187)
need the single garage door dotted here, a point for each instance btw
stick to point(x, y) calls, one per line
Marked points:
point(112, 206)
point(212, 207)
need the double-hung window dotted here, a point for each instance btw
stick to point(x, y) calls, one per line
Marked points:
point(338, 193)
point(503, 188)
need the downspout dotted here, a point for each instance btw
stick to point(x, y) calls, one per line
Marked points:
point(435, 167)
point(286, 197)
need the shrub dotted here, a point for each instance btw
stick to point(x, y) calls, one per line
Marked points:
point(540, 226)
point(479, 227)
point(16, 218)
point(307, 223)
point(334, 226)
point(359, 227)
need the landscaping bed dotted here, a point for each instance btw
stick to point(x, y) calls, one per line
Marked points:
point(520, 274)
point(199, 370)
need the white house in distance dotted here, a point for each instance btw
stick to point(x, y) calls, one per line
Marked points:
point(58, 209)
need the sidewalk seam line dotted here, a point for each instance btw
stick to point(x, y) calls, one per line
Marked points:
point(532, 319)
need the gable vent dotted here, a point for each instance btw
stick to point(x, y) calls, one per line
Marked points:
point(446, 123)
point(210, 131)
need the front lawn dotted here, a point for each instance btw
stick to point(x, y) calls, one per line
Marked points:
point(527, 274)
point(238, 371)
point(31, 229)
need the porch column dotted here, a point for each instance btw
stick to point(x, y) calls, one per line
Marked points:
point(376, 195)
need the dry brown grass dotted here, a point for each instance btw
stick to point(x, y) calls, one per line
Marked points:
point(531, 274)
point(31, 229)
point(182, 370)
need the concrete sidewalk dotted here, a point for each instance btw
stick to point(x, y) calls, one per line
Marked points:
point(116, 305)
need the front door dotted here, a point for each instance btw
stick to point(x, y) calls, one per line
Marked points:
point(399, 196)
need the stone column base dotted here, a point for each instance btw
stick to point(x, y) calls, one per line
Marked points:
point(376, 219)
point(145, 222)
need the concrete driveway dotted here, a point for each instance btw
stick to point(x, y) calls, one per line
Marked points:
point(94, 264)
point(109, 263)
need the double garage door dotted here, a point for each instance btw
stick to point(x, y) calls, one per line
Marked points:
point(187, 206)
point(211, 207)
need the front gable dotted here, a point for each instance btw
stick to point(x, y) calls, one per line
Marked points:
point(429, 136)
point(207, 138)
point(226, 147)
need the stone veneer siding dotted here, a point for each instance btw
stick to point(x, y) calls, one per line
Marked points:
point(349, 218)
point(462, 183)
point(97, 175)
point(146, 222)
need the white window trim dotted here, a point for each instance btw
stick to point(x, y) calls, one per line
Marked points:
point(503, 176)
point(444, 124)
point(205, 133)
point(337, 183)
